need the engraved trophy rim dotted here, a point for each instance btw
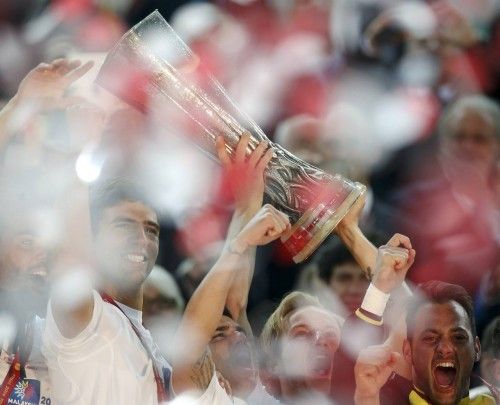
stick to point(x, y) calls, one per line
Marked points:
point(325, 229)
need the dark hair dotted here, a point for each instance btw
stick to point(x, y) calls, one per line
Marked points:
point(110, 193)
point(334, 253)
point(329, 257)
point(490, 342)
point(439, 292)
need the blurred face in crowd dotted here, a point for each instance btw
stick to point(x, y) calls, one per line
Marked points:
point(157, 304)
point(442, 351)
point(127, 243)
point(23, 258)
point(349, 283)
point(471, 139)
point(307, 352)
point(232, 355)
point(303, 136)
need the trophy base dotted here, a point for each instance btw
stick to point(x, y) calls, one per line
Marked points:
point(316, 224)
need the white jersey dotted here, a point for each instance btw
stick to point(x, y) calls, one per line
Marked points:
point(106, 363)
point(259, 396)
point(213, 395)
point(35, 388)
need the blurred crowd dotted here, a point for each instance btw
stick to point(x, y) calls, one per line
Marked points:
point(135, 270)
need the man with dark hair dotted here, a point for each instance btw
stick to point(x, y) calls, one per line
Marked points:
point(96, 348)
point(92, 330)
point(343, 276)
point(441, 347)
point(117, 208)
point(439, 293)
point(112, 192)
point(340, 271)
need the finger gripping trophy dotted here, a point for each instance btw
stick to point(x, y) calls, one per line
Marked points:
point(152, 68)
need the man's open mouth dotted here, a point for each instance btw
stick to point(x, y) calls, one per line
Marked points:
point(445, 374)
point(242, 357)
point(38, 274)
point(322, 365)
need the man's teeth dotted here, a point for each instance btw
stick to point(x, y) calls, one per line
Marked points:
point(136, 258)
point(449, 365)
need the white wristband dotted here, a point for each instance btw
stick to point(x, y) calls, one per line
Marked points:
point(375, 300)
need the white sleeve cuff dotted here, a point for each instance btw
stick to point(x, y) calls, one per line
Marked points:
point(375, 300)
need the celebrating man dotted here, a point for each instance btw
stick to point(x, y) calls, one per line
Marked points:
point(441, 347)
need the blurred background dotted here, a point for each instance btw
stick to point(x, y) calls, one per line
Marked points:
point(399, 95)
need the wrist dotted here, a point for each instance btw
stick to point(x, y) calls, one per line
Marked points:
point(361, 398)
point(382, 282)
point(237, 247)
point(375, 300)
point(246, 212)
point(346, 229)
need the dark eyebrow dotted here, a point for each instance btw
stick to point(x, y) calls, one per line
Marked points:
point(154, 225)
point(459, 329)
point(131, 221)
point(222, 328)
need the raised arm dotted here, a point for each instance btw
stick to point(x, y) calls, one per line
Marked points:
point(244, 176)
point(42, 88)
point(364, 328)
point(363, 251)
point(348, 230)
point(206, 306)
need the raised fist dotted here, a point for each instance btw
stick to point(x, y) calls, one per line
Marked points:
point(267, 225)
point(373, 368)
point(393, 261)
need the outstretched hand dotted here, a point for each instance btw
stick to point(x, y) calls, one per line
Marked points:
point(244, 174)
point(47, 82)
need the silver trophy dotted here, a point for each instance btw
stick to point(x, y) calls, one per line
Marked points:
point(151, 67)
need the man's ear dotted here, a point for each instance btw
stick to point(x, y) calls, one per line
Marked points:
point(477, 349)
point(407, 351)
